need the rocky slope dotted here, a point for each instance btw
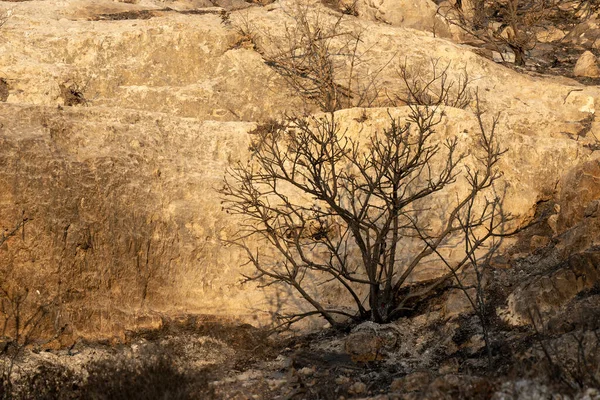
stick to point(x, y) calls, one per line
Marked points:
point(119, 119)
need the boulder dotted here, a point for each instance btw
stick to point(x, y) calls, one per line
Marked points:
point(586, 34)
point(579, 192)
point(567, 269)
point(549, 34)
point(414, 382)
point(457, 303)
point(419, 14)
point(587, 66)
point(371, 342)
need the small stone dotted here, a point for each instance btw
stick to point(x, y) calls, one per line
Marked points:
point(449, 367)
point(342, 380)
point(457, 304)
point(587, 66)
point(396, 385)
point(505, 56)
point(307, 371)
point(358, 388)
point(550, 34)
point(410, 383)
point(370, 342)
point(474, 344)
point(553, 223)
point(364, 346)
point(275, 384)
point(591, 210)
point(508, 33)
point(4, 90)
point(249, 375)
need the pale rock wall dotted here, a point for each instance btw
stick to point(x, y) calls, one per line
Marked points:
point(140, 163)
point(570, 263)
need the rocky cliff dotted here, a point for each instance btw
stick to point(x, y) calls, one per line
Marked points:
point(119, 120)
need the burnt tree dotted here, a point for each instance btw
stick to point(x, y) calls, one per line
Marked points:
point(333, 210)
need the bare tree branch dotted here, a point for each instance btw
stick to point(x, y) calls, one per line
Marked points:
point(323, 207)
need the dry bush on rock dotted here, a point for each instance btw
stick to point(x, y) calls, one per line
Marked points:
point(322, 60)
point(345, 7)
point(72, 95)
point(248, 33)
point(433, 86)
point(511, 26)
point(502, 24)
point(318, 207)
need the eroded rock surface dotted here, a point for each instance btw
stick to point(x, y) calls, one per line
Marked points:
point(120, 118)
point(587, 66)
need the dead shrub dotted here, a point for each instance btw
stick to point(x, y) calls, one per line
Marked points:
point(247, 32)
point(501, 23)
point(72, 95)
point(322, 60)
point(4, 90)
point(345, 7)
point(510, 26)
point(48, 381)
point(365, 205)
point(433, 86)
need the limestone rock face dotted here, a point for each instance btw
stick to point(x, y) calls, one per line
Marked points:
point(545, 297)
point(168, 61)
point(121, 207)
point(587, 66)
point(119, 189)
point(420, 15)
point(579, 195)
point(585, 34)
point(570, 264)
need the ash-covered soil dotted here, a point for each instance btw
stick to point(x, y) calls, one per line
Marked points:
point(424, 355)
